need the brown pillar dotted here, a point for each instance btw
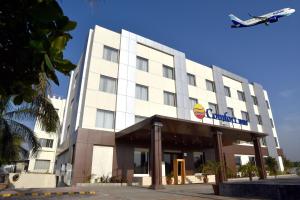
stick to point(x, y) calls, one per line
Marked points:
point(221, 177)
point(259, 158)
point(156, 156)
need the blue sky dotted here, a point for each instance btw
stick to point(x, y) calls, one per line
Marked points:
point(268, 55)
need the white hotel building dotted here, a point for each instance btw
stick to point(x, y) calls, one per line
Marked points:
point(125, 84)
point(44, 160)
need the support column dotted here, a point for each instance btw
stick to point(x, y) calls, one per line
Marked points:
point(156, 156)
point(221, 177)
point(259, 158)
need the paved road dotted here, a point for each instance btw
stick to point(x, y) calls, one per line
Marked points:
point(186, 192)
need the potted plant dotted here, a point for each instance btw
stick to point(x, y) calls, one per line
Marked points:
point(169, 178)
point(248, 170)
point(213, 168)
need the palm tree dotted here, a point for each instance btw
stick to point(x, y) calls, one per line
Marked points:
point(248, 169)
point(13, 132)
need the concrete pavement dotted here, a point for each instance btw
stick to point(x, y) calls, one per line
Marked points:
point(179, 192)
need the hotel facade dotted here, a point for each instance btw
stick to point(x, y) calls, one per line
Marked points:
point(44, 160)
point(130, 112)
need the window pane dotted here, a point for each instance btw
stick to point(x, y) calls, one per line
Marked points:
point(193, 102)
point(210, 85)
point(264, 141)
point(230, 111)
point(141, 92)
point(245, 116)
point(254, 100)
point(268, 105)
point(241, 96)
point(259, 121)
point(227, 91)
point(276, 141)
point(141, 160)
point(105, 119)
point(142, 64)
point(272, 123)
point(214, 108)
point(238, 162)
point(191, 79)
point(168, 72)
point(110, 54)
point(169, 99)
point(107, 84)
point(42, 164)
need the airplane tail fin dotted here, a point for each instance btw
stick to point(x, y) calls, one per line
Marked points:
point(236, 21)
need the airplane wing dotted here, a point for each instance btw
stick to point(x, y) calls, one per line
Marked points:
point(258, 17)
point(262, 19)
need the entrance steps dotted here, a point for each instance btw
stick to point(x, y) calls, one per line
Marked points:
point(189, 179)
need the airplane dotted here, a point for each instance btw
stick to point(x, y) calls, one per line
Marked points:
point(263, 19)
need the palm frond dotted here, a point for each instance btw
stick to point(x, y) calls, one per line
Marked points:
point(24, 133)
point(41, 109)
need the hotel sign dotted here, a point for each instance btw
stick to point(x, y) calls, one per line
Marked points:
point(200, 113)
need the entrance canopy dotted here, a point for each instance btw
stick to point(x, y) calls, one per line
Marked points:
point(186, 131)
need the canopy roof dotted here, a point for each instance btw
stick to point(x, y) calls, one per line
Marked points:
point(186, 131)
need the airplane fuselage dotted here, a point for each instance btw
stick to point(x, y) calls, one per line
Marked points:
point(263, 19)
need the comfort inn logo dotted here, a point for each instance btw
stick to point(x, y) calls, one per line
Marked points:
point(200, 113)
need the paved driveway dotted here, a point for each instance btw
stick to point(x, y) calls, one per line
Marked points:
point(181, 192)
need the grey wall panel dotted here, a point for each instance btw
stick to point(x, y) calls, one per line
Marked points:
point(220, 94)
point(221, 98)
point(266, 123)
point(182, 93)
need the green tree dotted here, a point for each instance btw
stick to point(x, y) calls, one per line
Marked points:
point(249, 170)
point(33, 35)
point(13, 133)
point(212, 167)
point(271, 165)
point(287, 163)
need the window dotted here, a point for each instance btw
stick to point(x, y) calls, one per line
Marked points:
point(272, 123)
point(142, 64)
point(259, 121)
point(264, 141)
point(230, 111)
point(193, 102)
point(104, 119)
point(255, 102)
point(141, 161)
point(276, 141)
point(107, 84)
point(245, 116)
point(110, 54)
point(42, 164)
point(227, 91)
point(241, 96)
point(169, 99)
point(268, 105)
point(46, 142)
point(252, 160)
point(214, 108)
point(139, 118)
point(198, 158)
point(168, 72)
point(210, 85)
point(238, 161)
point(141, 92)
point(191, 79)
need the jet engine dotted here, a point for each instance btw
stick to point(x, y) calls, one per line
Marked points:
point(273, 19)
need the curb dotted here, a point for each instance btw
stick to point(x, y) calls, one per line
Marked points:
point(46, 194)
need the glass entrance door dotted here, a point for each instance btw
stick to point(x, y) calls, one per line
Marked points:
point(168, 159)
